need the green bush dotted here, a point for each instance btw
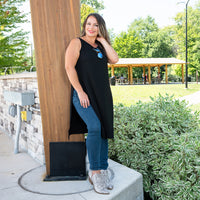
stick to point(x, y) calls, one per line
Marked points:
point(161, 140)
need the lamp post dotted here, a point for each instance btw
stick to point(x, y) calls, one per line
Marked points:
point(186, 67)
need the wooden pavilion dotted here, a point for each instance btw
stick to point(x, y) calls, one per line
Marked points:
point(129, 63)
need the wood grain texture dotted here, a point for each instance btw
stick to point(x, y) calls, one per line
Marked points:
point(54, 23)
point(166, 75)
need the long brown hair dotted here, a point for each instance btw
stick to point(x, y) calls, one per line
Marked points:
point(102, 26)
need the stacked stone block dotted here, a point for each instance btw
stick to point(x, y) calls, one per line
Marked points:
point(31, 138)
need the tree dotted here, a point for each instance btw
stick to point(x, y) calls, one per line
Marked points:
point(90, 6)
point(85, 11)
point(143, 27)
point(112, 35)
point(195, 57)
point(128, 45)
point(157, 42)
point(163, 46)
point(13, 42)
point(193, 32)
point(95, 4)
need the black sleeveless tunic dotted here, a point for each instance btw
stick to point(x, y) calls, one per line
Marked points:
point(93, 76)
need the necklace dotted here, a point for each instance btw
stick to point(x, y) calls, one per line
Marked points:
point(99, 53)
point(91, 43)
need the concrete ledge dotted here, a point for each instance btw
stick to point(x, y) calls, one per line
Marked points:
point(19, 75)
point(21, 167)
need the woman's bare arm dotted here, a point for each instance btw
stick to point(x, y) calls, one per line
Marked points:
point(110, 52)
point(71, 57)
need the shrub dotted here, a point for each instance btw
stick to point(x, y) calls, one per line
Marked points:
point(161, 140)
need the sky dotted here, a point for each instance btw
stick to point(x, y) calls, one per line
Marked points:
point(119, 14)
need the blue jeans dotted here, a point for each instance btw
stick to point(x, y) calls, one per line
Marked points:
point(97, 147)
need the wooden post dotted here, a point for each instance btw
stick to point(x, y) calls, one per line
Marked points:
point(166, 75)
point(128, 75)
point(144, 81)
point(158, 69)
point(149, 74)
point(159, 75)
point(144, 71)
point(182, 69)
point(54, 24)
point(131, 74)
point(112, 70)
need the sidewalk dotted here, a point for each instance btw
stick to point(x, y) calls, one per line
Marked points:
point(21, 178)
point(191, 99)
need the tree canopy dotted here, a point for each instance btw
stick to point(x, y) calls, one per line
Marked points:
point(90, 6)
point(163, 42)
point(95, 4)
point(193, 32)
point(13, 41)
point(128, 45)
point(157, 42)
point(144, 39)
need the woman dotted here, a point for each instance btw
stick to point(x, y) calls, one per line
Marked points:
point(92, 109)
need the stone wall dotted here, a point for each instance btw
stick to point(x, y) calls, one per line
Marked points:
point(31, 138)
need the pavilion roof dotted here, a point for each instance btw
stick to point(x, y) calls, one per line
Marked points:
point(147, 61)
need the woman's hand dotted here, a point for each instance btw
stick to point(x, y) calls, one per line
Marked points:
point(100, 39)
point(110, 52)
point(84, 100)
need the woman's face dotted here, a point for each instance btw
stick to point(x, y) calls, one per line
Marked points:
point(92, 27)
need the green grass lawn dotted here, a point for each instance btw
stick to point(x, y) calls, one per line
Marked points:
point(130, 94)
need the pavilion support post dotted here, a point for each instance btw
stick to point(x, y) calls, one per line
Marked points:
point(149, 74)
point(112, 70)
point(166, 75)
point(131, 75)
point(144, 74)
point(129, 81)
point(158, 69)
point(159, 77)
point(182, 69)
point(54, 24)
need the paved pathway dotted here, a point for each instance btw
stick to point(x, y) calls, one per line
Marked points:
point(192, 98)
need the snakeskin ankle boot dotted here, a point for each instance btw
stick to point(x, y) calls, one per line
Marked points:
point(107, 180)
point(97, 180)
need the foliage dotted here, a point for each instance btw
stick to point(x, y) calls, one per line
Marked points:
point(144, 26)
point(13, 42)
point(85, 11)
point(146, 30)
point(90, 6)
point(111, 34)
point(95, 4)
point(128, 45)
point(193, 35)
point(163, 46)
point(145, 39)
point(158, 43)
point(160, 139)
